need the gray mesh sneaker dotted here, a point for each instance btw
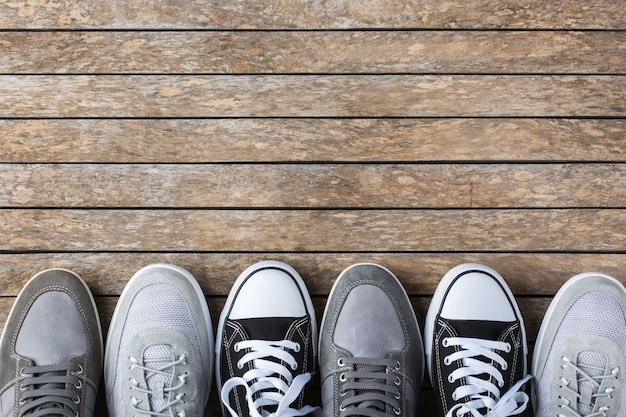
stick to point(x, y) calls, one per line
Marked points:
point(371, 354)
point(159, 351)
point(51, 349)
point(266, 344)
point(476, 345)
point(579, 359)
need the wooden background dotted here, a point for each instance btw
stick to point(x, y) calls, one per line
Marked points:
point(213, 134)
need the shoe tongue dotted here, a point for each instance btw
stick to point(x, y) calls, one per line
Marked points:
point(480, 329)
point(267, 328)
point(593, 364)
point(158, 356)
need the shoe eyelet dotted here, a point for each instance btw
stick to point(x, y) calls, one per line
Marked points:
point(76, 400)
point(342, 377)
point(450, 379)
point(79, 385)
point(342, 393)
point(297, 347)
point(397, 367)
point(397, 381)
point(445, 342)
point(455, 397)
point(505, 366)
point(508, 348)
point(447, 361)
point(239, 365)
point(397, 396)
point(80, 370)
point(341, 362)
point(342, 408)
point(397, 411)
point(500, 384)
point(294, 366)
point(236, 347)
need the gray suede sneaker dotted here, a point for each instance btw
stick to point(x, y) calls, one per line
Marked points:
point(579, 359)
point(159, 351)
point(51, 349)
point(371, 354)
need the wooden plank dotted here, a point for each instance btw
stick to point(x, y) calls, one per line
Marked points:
point(272, 140)
point(538, 274)
point(312, 96)
point(313, 52)
point(568, 14)
point(314, 186)
point(597, 230)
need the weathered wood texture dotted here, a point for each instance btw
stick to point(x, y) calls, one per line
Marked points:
point(313, 96)
point(312, 140)
point(313, 230)
point(313, 52)
point(328, 14)
point(314, 186)
point(416, 134)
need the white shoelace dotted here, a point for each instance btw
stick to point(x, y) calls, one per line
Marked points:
point(482, 391)
point(269, 381)
point(167, 368)
point(585, 377)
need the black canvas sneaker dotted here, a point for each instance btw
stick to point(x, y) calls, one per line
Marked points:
point(476, 345)
point(266, 343)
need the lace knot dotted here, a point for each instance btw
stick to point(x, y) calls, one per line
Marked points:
point(269, 384)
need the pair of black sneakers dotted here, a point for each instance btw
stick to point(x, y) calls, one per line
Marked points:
point(371, 354)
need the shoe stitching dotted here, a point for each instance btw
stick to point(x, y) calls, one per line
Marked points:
point(516, 343)
point(387, 291)
point(237, 331)
point(305, 336)
point(444, 327)
point(46, 289)
point(83, 359)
